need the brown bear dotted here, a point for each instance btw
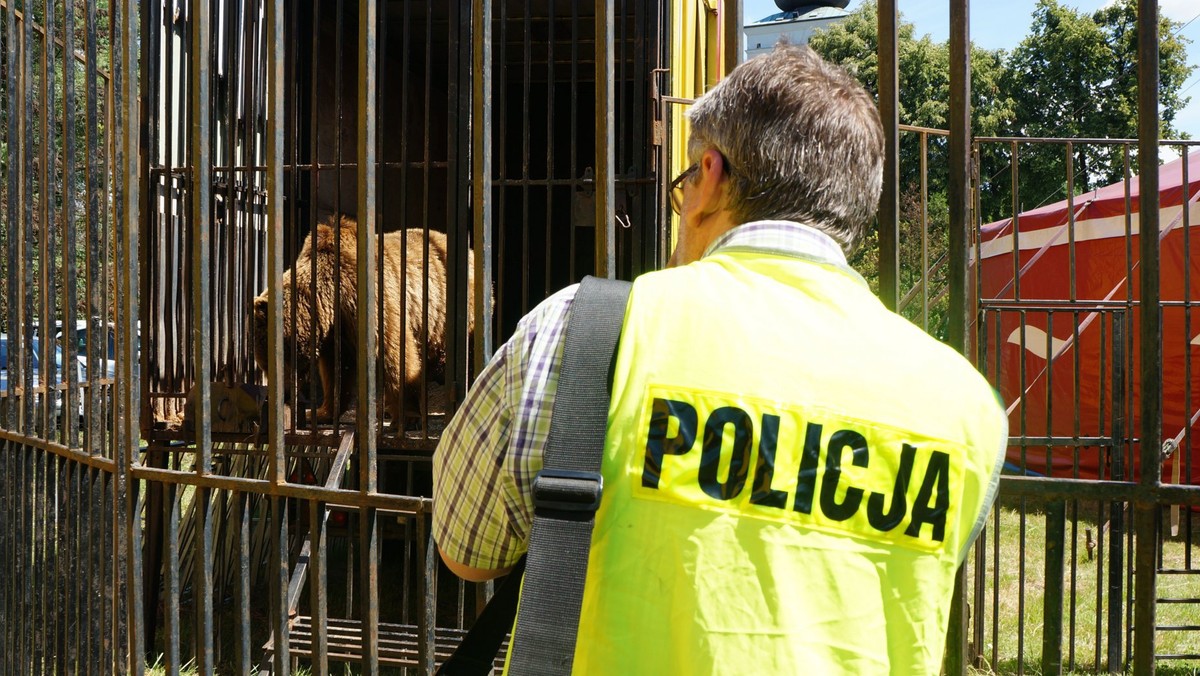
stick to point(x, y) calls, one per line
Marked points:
point(409, 346)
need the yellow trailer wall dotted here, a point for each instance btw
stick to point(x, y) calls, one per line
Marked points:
point(697, 63)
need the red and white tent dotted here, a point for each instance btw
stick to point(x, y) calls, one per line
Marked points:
point(1046, 341)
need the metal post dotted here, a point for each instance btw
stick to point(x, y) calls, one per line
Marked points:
point(368, 315)
point(128, 516)
point(1145, 518)
point(1052, 601)
point(606, 185)
point(889, 114)
point(733, 37)
point(1116, 551)
point(959, 198)
point(277, 473)
point(481, 174)
point(200, 131)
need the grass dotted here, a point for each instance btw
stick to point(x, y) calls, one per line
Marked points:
point(190, 669)
point(1011, 596)
point(1013, 593)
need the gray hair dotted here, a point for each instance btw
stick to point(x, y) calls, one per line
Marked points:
point(803, 141)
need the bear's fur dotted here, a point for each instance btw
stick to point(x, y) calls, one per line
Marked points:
point(409, 346)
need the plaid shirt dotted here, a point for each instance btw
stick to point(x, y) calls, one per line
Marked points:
point(490, 452)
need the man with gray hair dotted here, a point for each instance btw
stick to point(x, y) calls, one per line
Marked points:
point(792, 473)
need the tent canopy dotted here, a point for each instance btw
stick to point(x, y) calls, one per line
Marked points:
point(1073, 267)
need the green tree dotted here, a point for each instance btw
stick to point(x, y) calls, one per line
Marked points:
point(1075, 76)
point(924, 85)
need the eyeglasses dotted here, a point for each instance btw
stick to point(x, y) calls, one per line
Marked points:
point(676, 189)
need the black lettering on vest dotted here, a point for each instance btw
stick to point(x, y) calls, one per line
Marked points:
point(739, 460)
point(806, 479)
point(841, 439)
point(764, 472)
point(937, 475)
point(886, 521)
point(659, 444)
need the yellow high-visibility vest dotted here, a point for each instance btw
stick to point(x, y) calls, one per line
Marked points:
point(792, 476)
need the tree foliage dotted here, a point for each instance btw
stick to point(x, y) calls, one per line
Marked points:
point(1073, 76)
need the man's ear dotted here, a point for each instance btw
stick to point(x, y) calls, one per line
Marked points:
point(710, 188)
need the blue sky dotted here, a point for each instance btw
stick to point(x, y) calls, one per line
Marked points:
point(1002, 25)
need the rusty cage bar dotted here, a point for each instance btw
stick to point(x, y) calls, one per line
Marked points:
point(241, 489)
point(219, 400)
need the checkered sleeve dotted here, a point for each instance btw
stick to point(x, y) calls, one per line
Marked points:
point(489, 453)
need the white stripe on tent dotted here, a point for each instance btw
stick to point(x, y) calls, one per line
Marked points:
point(1035, 341)
point(1085, 231)
point(1091, 316)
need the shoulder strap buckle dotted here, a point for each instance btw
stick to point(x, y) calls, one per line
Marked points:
point(567, 490)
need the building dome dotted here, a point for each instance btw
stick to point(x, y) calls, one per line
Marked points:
point(795, 5)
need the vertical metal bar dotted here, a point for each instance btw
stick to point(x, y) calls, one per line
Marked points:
point(280, 626)
point(574, 133)
point(1016, 220)
point(426, 619)
point(201, 225)
point(46, 192)
point(8, 545)
point(75, 584)
point(339, 50)
point(1049, 380)
point(925, 272)
point(1128, 174)
point(23, 566)
point(481, 174)
point(151, 251)
point(12, 172)
point(54, 565)
point(1184, 454)
point(368, 562)
point(959, 198)
point(457, 213)
point(733, 45)
point(8, 542)
point(889, 114)
point(606, 204)
point(128, 216)
point(171, 617)
point(368, 317)
point(275, 218)
point(427, 160)
point(1052, 599)
point(34, 620)
point(62, 579)
point(367, 241)
point(23, 331)
point(959, 185)
point(108, 596)
point(231, 33)
point(550, 120)
point(241, 520)
point(317, 584)
point(526, 83)
point(70, 229)
point(202, 579)
point(1071, 220)
point(1146, 525)
point(276, 386)
point(1116, 509)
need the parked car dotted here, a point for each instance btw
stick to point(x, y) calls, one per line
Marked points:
point(79, 353)
point(35, 363)
point(79, 347)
